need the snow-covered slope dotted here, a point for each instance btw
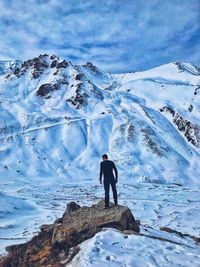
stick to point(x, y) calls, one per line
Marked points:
point(57, 119)
point(54, 113)
point(9, 66)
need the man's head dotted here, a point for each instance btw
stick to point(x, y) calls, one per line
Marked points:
point(105, 157)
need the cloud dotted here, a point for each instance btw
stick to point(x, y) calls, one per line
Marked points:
point(116, 35)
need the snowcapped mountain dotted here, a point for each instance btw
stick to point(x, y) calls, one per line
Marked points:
point(57, 117)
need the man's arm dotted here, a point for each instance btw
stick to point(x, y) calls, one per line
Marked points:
point(116, 172)
point(101, 173)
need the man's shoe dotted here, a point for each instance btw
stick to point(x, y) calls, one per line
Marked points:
point(106, 207)
point(116, 203)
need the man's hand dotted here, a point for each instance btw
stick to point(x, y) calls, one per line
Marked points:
point(100, 181)
point(116, 180)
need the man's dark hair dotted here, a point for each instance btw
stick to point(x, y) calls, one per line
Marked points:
point(105, 156)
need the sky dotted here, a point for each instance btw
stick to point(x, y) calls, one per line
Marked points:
point(116, 35)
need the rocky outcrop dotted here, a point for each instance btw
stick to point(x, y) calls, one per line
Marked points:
point(189, 129)
point(149, 139)
point(181, 67)
point(57, 243)
point(45, 89)
point(36, 66)
point(62, 64)
point(169, 230)
point(90, 66)
point(80, 97)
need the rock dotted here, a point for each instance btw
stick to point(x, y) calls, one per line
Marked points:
point(45, 89)
point(53, 64)
point(196, 92)
point(52, 57)
point(62, 64)
point(172, 231)
point(169, 230)
point(149, 139)
point(16, 71)
point(90, 66)
point(179, 66)
point(79, 76)
point(37, 66)
point(189, 129)
point(57, 244)
point(79, 99)
point(72, 206)
point(190, 108)
point(168, 110)
point(138, 222)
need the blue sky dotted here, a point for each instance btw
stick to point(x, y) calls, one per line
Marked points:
point(116, 35)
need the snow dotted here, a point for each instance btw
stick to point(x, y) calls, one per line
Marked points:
point(112, 248)
point(168, 73)
point(50, 152)
point(7, 66)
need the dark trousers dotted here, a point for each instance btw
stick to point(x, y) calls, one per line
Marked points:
point(107, 183)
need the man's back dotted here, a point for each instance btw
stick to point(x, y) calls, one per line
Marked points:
point(106, 169)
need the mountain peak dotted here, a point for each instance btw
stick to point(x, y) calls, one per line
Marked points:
point(90, 66)
point(132, 108)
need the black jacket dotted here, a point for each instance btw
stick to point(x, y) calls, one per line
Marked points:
point(106, 169)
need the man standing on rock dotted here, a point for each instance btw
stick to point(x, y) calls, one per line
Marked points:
point(106, 169)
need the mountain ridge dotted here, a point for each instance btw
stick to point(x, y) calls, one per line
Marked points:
point(51, 107)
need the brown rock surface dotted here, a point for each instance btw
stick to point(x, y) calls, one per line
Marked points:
point(57, 243)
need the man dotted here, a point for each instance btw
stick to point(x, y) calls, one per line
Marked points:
point(106, 169)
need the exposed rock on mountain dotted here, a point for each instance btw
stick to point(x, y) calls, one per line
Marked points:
point(62, 64)
point(57, 119)
point(57, 243)
point(190, 130)
point(194, 70)
point(45, 89)
point(120, 114)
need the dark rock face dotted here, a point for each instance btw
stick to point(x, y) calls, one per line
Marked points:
point(196, 91)
point(16, 71)
point(90, 66)
point(38, 64)
point(190, 130)
point(131, 133)
point(169, 230)
point(54, 63)
point(62, 64)
point(182, 68)
point(79, 76)
point(52, 57)
point(179, 66)
point(57, 243)
point(72, 206)
point(149, 136)
point(190, 108)
point(168, 109)
point(46, 88)
point(79, 99)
